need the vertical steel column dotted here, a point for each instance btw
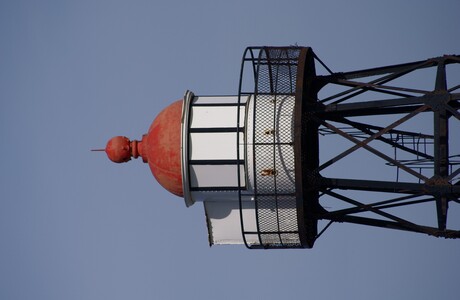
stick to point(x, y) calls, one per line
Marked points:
point(306, 145)
point(441, 143)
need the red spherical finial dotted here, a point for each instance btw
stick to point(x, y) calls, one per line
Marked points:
point(118, 149)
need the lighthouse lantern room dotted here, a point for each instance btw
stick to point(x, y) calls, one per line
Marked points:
point(236, 154)
point(252, 159)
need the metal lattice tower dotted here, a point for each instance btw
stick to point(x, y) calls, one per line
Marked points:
point(413, 131)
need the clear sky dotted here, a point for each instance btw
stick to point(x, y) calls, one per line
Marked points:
point(75, 73)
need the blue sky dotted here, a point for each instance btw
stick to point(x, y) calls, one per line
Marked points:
point(75, 73)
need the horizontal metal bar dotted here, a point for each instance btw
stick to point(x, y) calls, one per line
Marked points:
point(355, 91)
point(278, 62)
point(389, 187)
point(396, 225)
point(359, 125)
point(274, 94)
point(405, 203)
point(454, 88)
point(218, 104)
point(379, 87)
point(274, 144)
point(389, 69)
point(215, 129)
point(330, 111)
point(376, 104)
point(374, 185)
point(451, 59)
point(274, 194)
point(398, 203)
point(402, 222)
point(370, 112)
point(210, 188)
point(216, 162)
point(271, 232)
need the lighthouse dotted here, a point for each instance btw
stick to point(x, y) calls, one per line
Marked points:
point(253, 158)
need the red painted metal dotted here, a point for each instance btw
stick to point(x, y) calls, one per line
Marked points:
point(160, 148)
point(118, 149)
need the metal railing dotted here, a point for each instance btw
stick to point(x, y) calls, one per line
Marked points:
point(272, 87)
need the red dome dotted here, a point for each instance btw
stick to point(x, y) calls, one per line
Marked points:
point(162, 146)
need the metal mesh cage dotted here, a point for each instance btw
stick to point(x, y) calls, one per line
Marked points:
point(274, 70)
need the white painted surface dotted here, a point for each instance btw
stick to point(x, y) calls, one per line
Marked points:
point(215, 116)
point(217, 99)
point(224, 225)
point(215, 175)
point(222, 207)
point(207, 196)
point(213, 146)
